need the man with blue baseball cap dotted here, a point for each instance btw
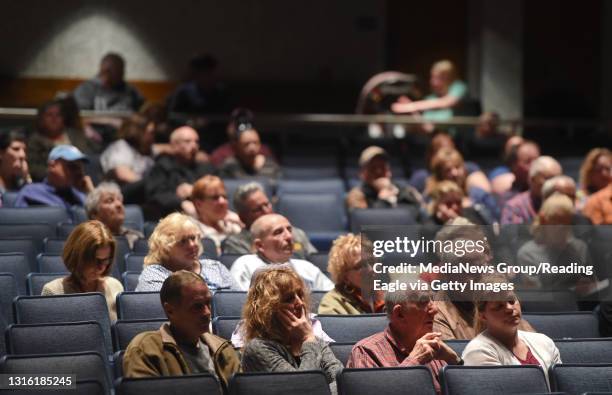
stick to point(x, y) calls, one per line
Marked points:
point(65, 185)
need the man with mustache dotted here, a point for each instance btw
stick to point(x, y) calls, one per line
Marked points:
point(184, 345)
point(273, 244)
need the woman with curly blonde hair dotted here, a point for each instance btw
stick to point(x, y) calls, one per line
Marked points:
point(278, 329)
point(353, 278)
point(175, 245)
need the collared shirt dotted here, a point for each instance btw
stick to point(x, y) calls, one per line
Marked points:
point(213, 272)
point(45, 194)
point(519, 210)
point(382, 350)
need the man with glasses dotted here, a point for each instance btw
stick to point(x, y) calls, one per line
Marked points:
point(66, 183)
point(251, 202)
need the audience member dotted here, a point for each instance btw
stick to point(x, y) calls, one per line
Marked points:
point(51, 132)
point(105, 204)
point(500, 341)
point(501, 176)
point(183, 345)
point(278, 329)
point(175, 245)
point(448, 202)
point(273, 243)
point(377, 190)
point(248, 161)
point(214, 219)
point(566, 185)
point(522, 208)
point(251, 202)
point(65, 185)
point(519, 160)
point(14, 172)
point(595, 174)
point(599, 206)
point(128, 159)
point(353, 293)
point(88, 254)
point(408, 340)
point(109, 91)
point(171, 179)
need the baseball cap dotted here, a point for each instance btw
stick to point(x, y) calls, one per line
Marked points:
point(67, 152)
point(370, 153)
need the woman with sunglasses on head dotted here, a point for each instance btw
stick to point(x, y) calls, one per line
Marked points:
point(88, 254)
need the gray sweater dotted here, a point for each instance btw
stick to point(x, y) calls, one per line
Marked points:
point(261, 355)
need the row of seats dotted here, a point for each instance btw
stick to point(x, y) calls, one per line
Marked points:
point(92, 379)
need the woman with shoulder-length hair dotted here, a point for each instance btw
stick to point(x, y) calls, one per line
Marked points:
point(278, 329)
point(595, 174)
point(88, 254)
point(500, 342)
point(175, 245)
point(352, 276)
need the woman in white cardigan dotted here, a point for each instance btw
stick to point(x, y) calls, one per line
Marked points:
point(500, 342)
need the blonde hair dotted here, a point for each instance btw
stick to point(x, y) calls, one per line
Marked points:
point(557, 204)
point(440, 191)
point(268, 288)
point(588, 164)
point(481, 298)
point(438, 163)
point(82, 244)
point(447, 67)
point(343, 250)
point(203, 184)
point(167, 234)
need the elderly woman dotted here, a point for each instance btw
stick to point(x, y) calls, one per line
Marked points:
point(595, 173)
point(88, 255)
point(278, 329)
point(175, 245)
point(352, 277)
point(105, 203)
point(448, 202)
point(500, 341)
point(14, 171)
point(214, 219)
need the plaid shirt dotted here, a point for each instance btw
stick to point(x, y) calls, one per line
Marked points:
point(382, 350)
point(518, 210)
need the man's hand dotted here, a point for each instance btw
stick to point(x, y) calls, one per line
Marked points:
point(445, 353)
point(183, 191)
point(84, 184)
point(299, 329)
point(426, 348)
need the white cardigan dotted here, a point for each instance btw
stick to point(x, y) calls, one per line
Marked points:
point(484, 350)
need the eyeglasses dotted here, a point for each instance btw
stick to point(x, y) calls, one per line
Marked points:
point(103, 261)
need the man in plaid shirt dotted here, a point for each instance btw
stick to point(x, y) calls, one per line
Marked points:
point(408, 340)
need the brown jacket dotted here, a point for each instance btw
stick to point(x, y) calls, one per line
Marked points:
point(155, 353)
point(335, 302)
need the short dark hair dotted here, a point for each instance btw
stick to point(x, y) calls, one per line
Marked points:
point(115, 58)
point(513, 153)
point(172, 290)
point(7, 137)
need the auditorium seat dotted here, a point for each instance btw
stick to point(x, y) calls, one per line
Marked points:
point(37, 214)
point(342, 351)
point(381, 216)
point(320, 259)
point(585, 350)
point(51, 263)
point(134, 262)
point(414, 380)
point(37, 231)
point(492, 380)
point(457, 345)
point(352, 328)
point(139, 306)
point(194, 384)
point(16, 264)
point(130, 280)
point(294, 383)
point(320, 185)
point(231, 185)
point(23, 245)
point(133, 216)
point(581, 378)
point(228, 303)
point(228, 259)
point(36, 281)
point(125, 330)
point(565, 325)
point(224, 326)
point(141, 246)
point(54, 245)
point(547, 301)
point(8, 292)
point(314, 212)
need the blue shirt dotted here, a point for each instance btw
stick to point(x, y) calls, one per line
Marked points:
point(45, 194)
point(213, 272)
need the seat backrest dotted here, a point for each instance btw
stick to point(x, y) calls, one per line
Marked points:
point(8, 292)
point(547, 301)
point(210, 248)
point(64, 308)
point(85, 365)
point(415, 380)
point(320, 260)
point(195, 384)
point(23, 245)
point(565, 325)
point(118, 363)
point(585, 350)
point(141, 246)
point(134, 215)
point(314, 212)
point(228, 303)
point(352, 328)
point(311, 172)
point(54, 245)
point(130, 280)
point(125, 330)
point(9, 198)
point(315, 300)
point(139, 306)
point(51, 263)
point(36, 281)
point(469, 380)
point(326, 185)
point(342, 351)
point(228, 259)
point(457, 345)
point(38, 214)
point(64, 229)
point(38, 231)
point(17, 264)
point(134, 262)
point(56, 338)
point(295, 383)
point(580, 378)
point(380, 216)
point(224, 326)
point(122, 247)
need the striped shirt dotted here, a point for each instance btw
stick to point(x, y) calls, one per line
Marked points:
point(213, 272)
point(383, 351)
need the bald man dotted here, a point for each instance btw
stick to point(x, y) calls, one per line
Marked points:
point(171, 179)
point(273, 244)
point(523, 208)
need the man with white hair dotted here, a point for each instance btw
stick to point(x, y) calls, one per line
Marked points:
point(171, 179)
point(273, 243)
point(523, 208)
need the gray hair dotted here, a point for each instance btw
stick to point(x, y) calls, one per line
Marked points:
point(93, 198)
point(242, 194)
point(542, 164)
point(402, 297)
point(551, 185)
